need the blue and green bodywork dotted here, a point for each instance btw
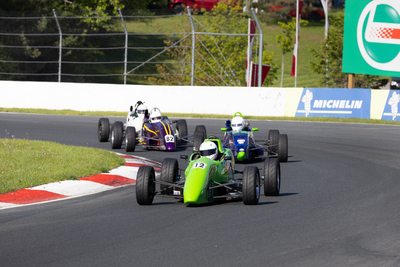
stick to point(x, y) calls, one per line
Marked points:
point(241, 143)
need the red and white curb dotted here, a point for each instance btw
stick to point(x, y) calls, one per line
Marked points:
point(121, 176)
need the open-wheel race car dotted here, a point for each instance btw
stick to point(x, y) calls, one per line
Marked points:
point(150, 130)
point(239, 138)
point(210, 176)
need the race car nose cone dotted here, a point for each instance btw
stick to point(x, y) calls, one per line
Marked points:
point(241, 156)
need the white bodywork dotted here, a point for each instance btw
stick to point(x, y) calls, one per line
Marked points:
point(132, 121)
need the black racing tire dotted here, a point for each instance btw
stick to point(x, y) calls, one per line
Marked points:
point(130, 139)
point(178, 9)
point(169, 174)
point(201, 128)
point(198, 139)
point(103, 129)
point(251, 185)
point(116, 135)
point(181, 128)
point(145, 185)
point(272, 177)
point(273, 137)
point(283, 148)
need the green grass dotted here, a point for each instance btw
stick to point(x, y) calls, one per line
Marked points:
point(27, 163)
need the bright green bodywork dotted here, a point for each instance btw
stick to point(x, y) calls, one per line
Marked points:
point(203, 173)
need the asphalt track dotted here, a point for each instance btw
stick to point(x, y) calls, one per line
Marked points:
point(339, 206)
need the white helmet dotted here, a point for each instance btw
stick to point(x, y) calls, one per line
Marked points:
point(155, 115)
point(237, 124)
point(209, 149)
point(142, 111)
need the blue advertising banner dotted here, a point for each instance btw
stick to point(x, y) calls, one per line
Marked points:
point(392, 106)
point(340, 103)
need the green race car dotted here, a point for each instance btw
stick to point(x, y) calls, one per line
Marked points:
point(208, 179)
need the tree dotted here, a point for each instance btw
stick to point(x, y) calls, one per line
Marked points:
point(48, 5)
point(330, 55)
point(220, 59)
point(286, 41)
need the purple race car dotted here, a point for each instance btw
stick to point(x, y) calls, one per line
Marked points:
point(151, 130)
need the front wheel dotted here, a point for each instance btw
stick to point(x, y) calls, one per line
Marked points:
point(181, 128)
point(145, 185)
point(130, 139)
point(202, 129)
point(198, 139)
point(251, 185)
point(103, 128)
point(272, 177)
point(169, 174)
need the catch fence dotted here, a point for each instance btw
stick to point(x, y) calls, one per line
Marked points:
point(127, 48)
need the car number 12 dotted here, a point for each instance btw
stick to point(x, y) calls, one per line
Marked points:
point(200, 165)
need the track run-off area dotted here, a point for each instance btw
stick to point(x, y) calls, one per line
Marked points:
point(339, 206)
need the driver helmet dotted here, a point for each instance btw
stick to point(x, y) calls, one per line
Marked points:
point(142, 111)
point(237, 124)
point(155, 115)
point(209, 149)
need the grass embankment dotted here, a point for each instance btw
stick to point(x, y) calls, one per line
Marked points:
point(27, 163)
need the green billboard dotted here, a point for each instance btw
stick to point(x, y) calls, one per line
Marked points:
point(371, 42)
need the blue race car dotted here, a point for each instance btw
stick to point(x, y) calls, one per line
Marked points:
point(239, 138)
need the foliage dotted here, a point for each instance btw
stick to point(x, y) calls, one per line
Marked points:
point(286, 41)
point(330, 57)
point(220, 60)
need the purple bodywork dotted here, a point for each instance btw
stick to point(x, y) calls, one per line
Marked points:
point(158, 135)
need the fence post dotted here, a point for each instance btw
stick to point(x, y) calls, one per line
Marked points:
point(60, 47)
point(193, 45)
point(260, 51)
point(126, 45)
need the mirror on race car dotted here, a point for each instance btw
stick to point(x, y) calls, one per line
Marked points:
point(184, 156)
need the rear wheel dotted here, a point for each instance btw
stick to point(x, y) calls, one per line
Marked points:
point(116, 135)
point(130, 139)
point(103, 129)
point(181, 128)
point(272, 177)
point(273, 136)
point(251, 185)
point(283, 148)
point(169, 174)
point(145, 185)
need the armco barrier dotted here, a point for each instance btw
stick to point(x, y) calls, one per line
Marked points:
point(264, 101)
